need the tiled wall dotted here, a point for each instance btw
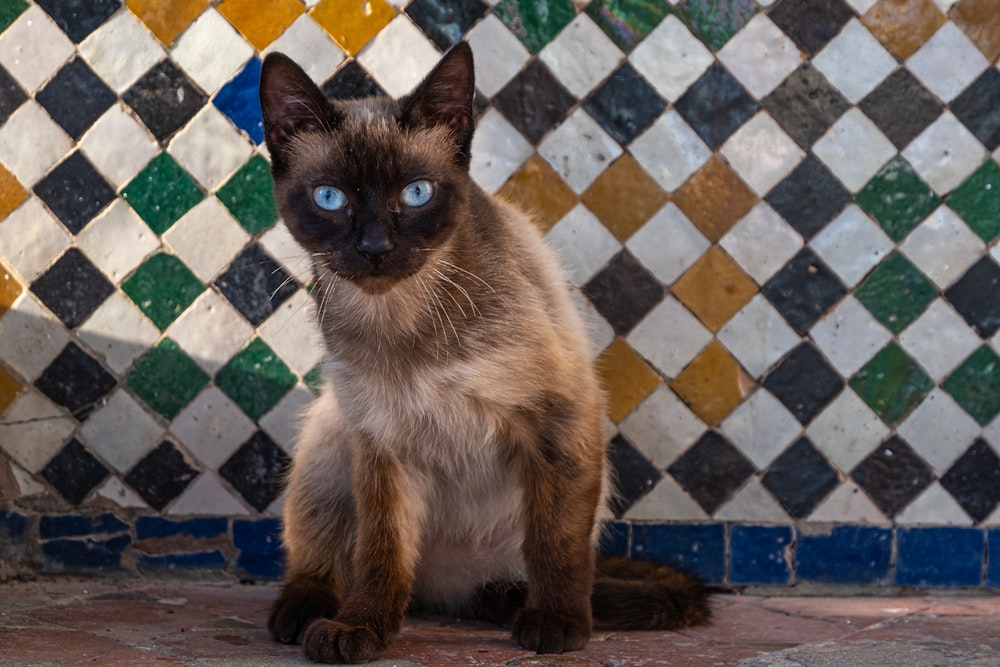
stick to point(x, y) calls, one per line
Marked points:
point(783, 217)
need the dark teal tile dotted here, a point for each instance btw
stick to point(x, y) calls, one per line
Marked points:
point(975, 385)
point(166, 378)
point(255, 379)
point(535, 22)
point(627, 22)
point(715, 21)
point(163, 287)
point(162, 193)
point(891, 383)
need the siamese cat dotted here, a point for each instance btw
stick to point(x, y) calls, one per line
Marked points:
point(455, 461)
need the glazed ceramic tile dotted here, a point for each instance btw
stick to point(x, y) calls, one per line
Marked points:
point(752, 503)
point(121, 51)
point(583, 244)
point(761, 227)
point(116, 492)
point(760, 56)
point(206, 238)
point(758, 336)
point(311, 47)
point(667, 501)
point(939, 339)
point(398, 43)
point(206, 496)
point(854, 149)
point(121, 431)
point(849, 336)
point(260, 24)
point(581, 55)
point(670, 151)
point(33, 48)
point(624, 197)
point(942, 247)
point(662, 427)
point(499, 56)
point(945, 154)
point(670, 321)
point(211, 427)
point(626, 378)
point(714, 288)
point(962, 62)
point(579, 150)
point(118, 332)
point(211, 51)
point(33, 429)
point(851, 245)
point(284, 421)
point(497, 151)
point(210, 148)
point(279, 244)
point(712, 385)
point(167, 24)
point(761, 153)
point(351, 24)
point(980, 24)
point(102, 241)
point(211, 331)
point(668, 244)
point(30, 238)
point(903, 27)
point(31, 142)
point(715, 199)
point(854, 62)
point(939, 430)
point(291, 332)
point(848, 503)
point(934, 506)
point(540, 192)
point(118, 145)
point(847, 431)
point(671, 42)
point(761, 427)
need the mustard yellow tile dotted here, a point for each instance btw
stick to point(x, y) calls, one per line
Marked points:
point(10, 289)
point(352, 23)
point(715, 198)
point(903, 25)
point(11, 193)
point(10, 387)
point(980, 21)
point(539, 191)
point(626, 379)
point(714, 288)
point(624, 197)
point(261, 22)
point(167, 19)
point(713, 384)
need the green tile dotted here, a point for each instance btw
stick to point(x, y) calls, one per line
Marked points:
point(627, 22)
point(249, 196)
point(897, 198)
point(255, 379)
point(896, 292)
point(163, 287)
point(166, 378)
point(891, 383)
point(9, 11)
point(535, 22)
point(715, 21)
point(975, 385)
point(314, 379)
point(162, 193)
point(977, 201)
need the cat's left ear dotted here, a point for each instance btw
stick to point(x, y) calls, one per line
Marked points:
point(445, 97)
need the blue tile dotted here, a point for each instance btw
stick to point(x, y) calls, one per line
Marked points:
point(940, 556)
point(759, 554)
point(614, 539)
point(74, 525)
point(240, 101)
point(147, 527)
point(993, 558)
point(847, 555)
point(88, 555)
point(699, 549)
point(14, 528)
point(214, 560)
point(259, 545)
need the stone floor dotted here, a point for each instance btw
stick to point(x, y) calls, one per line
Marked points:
point(212, 623)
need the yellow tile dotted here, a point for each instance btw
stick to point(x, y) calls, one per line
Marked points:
point(10, 289)
point(903, 25)
point(626, 378)
point(261, 22)
point(537, 190)
point(980, 21)
point(624, 197)
point(10, 387)
point(167, 19)
point(715, 198)
point(714, 288)
point(713, 384)
point(11, 193)
point(352, 23)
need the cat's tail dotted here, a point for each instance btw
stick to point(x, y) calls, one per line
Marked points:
point(639, 595)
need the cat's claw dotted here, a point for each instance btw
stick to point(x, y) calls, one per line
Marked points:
point(337, 643)
point(547, 632)
point(295, 609)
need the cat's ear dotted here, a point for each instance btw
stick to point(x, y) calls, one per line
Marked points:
point(445, 97)
point(291, 103)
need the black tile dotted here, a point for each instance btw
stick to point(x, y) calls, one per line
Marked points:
point(72, 288)
point(76, 381)
point(164, 99)
point(161, 475)
point(976, 296)
point(75, 192)
point(901, 107)
point(804, 382)
point(74, 472)
point(893, 475)
point(445, 21)
point(800, 478)
point(480, 103)
point(803, 290)
point(634, 475)
point(11, 95)
point(806, 105)
point(716, 106)
point(255, 284)
point(809, 197)
point(811, 23)
point(625, 105)
point(79, 18)
point(711, 471)
point(257, 470)
point(624, 292)
point(534, 101)
point(979, 108)
point(351, 81)
point(76, 97)
point(974, 480)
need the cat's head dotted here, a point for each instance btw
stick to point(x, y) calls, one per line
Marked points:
point(371, 187)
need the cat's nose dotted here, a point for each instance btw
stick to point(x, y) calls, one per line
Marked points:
point(374, 243)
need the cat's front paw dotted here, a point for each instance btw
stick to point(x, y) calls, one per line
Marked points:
point(546, 632)
point(296, 608)
point(338, 643)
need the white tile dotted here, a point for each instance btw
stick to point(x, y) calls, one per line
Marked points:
point(935, 507)
point(26, 483)
point(121, 50)
point(939, 340)
point(211, 331)
point(761, 242)
point(118, 241)
point(761, 427)
point(668, 244)
point(30, 337)
point(849, 336)
point(210, 148)
point(662, 427)
point(280, 245)
point(399, 57)
point(847, 431)
point(498, 150)
point(499, 54)
point(30, 238)
point(939, 430)
point(671, 58)
point(292, 332)
point(118, 145)
point(854, 61)
point(33, 48)
point(761, 153)
point(760, 55)
point(311, 47)
point(947, 62)
point(31, 142)
point(752, 503)
point(206, 496)
point(33, 429)
point(666, 502)
point(599, 332)
point(284, 421)
point(854, 149)
point(669, 337)
point(852, 245)
point(579, 150)
point(581, 56)
point(119, 494)
point(583, 243)
point(943, 247)
point(121, 431)
point(212, 427)
point(848, 503)
point(758, 336)
point(670, 151)
point(945, 154)
point(211, 51)
point(119, 332)
point(861, 6)
point(207, 238)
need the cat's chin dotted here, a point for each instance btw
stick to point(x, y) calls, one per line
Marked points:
point(376, 284)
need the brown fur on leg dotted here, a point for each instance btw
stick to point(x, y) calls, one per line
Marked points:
point(303, 599)
point(638, 595)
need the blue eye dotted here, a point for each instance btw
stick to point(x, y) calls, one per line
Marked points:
point(417, 193)
point(329, 198)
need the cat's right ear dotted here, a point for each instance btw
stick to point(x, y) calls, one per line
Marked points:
point(291, 103)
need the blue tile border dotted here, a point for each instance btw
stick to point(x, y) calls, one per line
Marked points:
point(760, 555)
point(993, 558)
point(940, 557)
point(857, 555)
point(697, 548)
